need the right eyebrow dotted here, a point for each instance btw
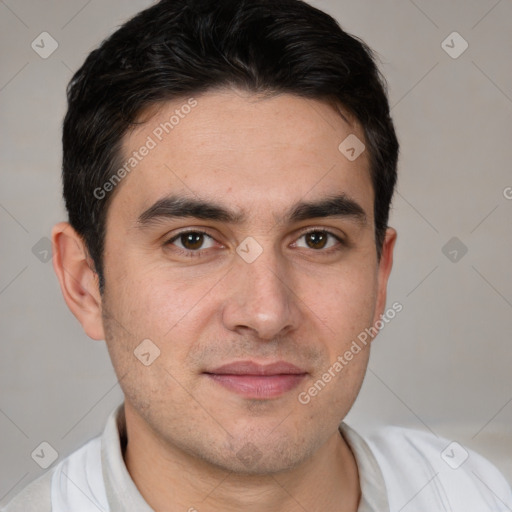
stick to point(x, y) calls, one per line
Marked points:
point(180, 207)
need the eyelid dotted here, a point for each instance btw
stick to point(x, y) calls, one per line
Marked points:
point(323, 230)
point(341, 239)
point(303, 232)
point(185, 231)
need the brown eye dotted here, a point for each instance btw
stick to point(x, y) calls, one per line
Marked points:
point(319, 240)
point(316, 239)
point(192, 241)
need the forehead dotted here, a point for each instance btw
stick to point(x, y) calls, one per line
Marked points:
point(255, 153)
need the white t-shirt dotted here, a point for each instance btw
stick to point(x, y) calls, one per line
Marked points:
point(400, 470)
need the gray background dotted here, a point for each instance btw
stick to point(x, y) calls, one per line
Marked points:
point(443, 364)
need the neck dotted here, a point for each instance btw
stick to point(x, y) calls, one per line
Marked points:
point(170, 479)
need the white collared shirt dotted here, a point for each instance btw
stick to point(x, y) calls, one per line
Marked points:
point(400, 470)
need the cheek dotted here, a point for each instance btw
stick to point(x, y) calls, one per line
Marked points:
point(154, 299)
point(162, 306)
point(146, 342)
point(346, 302)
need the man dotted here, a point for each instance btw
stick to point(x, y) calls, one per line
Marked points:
point(228, 169)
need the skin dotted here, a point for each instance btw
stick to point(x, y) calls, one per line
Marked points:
point(295, 302)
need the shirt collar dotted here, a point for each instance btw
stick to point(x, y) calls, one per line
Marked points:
point(123, 495)
point(374, 496)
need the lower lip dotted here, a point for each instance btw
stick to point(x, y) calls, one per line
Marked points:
point(258, 386)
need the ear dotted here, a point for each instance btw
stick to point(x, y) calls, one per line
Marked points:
point(385, 265)
point(78, 280)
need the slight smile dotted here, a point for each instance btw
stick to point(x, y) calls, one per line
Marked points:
point(258, 381)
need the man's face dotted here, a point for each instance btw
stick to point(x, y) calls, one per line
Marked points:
point(257, 290)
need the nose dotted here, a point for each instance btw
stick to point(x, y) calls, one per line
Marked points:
point(261, 298)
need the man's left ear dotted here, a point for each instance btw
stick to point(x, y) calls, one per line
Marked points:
point(385, 265)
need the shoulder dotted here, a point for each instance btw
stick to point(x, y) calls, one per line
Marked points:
point(76, 481)
point(35, 497)
point(421, 469)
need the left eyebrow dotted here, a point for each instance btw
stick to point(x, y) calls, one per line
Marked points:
point(338, 206)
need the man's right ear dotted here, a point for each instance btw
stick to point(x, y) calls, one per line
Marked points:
point(78, 280)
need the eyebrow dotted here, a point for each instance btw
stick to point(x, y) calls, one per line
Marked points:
point(170, 207)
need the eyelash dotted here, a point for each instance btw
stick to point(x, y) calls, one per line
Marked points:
point(189, 253)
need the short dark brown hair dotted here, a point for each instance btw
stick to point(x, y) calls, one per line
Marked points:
point(177, 48)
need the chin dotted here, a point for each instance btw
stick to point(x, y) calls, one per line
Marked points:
point(264, 456)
